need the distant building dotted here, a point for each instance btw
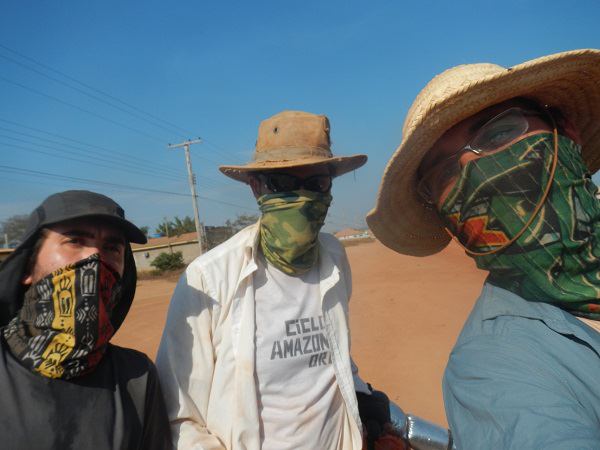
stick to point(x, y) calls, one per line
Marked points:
point(144, 254)
point(186, 243)
point(352, 233)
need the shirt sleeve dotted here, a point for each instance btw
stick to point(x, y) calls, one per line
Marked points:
point(502, 392)
point(156, 434)
point(185, 363)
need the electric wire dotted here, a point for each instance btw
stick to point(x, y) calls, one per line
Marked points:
point(20, 170)
point(87, 94)
point(120, 165)
point(92, 88)
point(111, 97)
point(135, 162)
point(71, 105)
point(115, 154)
point(87, 86)
point(108, 163)
point(96, 164)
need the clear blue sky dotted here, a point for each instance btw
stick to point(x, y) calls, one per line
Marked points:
point(216, 69)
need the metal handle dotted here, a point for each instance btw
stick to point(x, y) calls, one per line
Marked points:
point(420, 433)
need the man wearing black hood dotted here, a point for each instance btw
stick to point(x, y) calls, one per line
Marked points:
point(63, 294)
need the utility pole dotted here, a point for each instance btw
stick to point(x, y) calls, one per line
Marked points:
point(192, 181)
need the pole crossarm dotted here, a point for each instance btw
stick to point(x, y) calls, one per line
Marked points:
point(183, 144)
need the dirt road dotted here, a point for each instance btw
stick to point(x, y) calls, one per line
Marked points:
point(405, 314)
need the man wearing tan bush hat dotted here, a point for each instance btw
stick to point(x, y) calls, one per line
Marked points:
point(500, 160)
point(256, 351)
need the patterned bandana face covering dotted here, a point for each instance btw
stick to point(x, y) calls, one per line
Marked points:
point(289, 228)
point(64, 326)
point(557, 258)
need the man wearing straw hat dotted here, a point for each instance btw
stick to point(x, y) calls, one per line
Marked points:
point(501, 161)
point(256, 350)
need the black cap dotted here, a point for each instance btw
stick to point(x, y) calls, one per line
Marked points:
point(58, 208)
point(69, 205)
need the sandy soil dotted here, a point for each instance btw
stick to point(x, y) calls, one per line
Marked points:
point(405, 315)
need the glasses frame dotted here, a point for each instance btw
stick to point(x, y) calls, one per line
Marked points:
point(298, 181)
point(425, 191)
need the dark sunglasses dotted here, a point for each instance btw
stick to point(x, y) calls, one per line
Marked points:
point(284, 182)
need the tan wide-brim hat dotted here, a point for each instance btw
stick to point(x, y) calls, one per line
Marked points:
point(294, 139)
point(569, 81)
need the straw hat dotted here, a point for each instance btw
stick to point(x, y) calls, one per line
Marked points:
point(293, 139)
point(569, 81)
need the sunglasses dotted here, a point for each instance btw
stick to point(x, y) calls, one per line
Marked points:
point(284, 182)
point(489, 138)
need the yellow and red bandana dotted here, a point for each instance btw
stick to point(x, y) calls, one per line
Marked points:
point(64, 326)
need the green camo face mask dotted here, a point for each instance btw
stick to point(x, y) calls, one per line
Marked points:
point(289, 228)
point(557, 258)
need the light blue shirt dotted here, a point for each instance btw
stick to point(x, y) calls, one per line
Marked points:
point(523, 375)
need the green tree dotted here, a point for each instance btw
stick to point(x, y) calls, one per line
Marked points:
point(176, 226)
point(185, 225)
point(14, 227)
point(165, 227)
point(241, 221)
point(168, 261)
point(145, 230)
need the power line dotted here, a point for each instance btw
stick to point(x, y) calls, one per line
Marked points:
point(87, 180)
point(92, 88)
point(107, 166)
point(118, 155)
point(222, 150)
point(154, 122)
point(22, 171)
point(135, 164)
point(94, 97)
point(100, 116)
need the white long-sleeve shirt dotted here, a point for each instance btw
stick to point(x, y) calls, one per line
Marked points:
point(206, 360)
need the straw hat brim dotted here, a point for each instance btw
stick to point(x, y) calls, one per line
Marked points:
point(569, 81)
point(339, 164)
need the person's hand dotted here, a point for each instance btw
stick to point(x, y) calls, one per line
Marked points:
point(389, 440)
point(378, 432)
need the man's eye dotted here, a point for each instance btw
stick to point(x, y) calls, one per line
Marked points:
point(500, 137)
point(496, 136)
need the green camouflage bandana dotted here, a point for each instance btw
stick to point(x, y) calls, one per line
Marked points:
point(289, 228)
point(556, 260)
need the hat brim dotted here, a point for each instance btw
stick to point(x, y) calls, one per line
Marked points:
point(569, 81)
point(131, 232)
point(339, 164)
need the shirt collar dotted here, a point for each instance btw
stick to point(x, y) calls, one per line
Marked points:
point(498, 302)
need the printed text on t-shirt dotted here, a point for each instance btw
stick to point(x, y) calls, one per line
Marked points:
point(304, 336)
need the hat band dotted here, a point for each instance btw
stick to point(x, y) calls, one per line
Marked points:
point(291, 153)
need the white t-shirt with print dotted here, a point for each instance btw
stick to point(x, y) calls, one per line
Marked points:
point(300, 404)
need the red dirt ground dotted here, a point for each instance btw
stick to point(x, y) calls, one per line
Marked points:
point(405, 315)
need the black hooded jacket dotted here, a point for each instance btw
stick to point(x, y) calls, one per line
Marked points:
point(118, 405)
